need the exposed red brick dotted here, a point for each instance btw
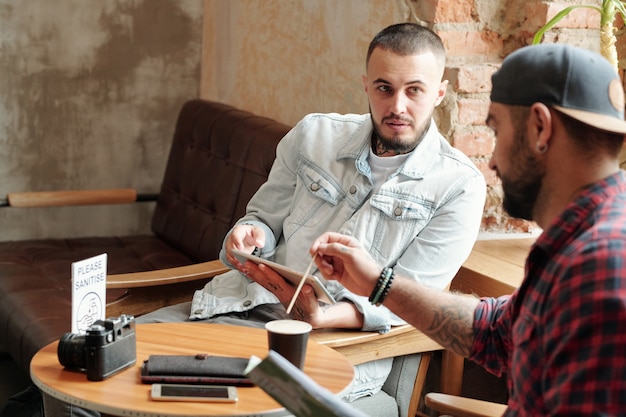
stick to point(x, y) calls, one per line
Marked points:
point(453, 11)
point(620, 47)
point(538, 14)
point(490, 223)
point(444, 11)
point(477, 34)
point(490, 176)
point(471, 78)
point(521, 225)
point(581, 18)
point(484, 43)
point(472, 111)
point(474, 143)
point(619, 22)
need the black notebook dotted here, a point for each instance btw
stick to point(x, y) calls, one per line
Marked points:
point(198, 369)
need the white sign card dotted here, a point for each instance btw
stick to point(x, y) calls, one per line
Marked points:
point(88, 292)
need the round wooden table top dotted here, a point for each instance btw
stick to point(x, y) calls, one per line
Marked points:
point(125, 395)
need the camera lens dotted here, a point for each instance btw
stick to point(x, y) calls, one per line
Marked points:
point(71, 351)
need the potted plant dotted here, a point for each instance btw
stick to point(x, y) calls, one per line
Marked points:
point(607, 10)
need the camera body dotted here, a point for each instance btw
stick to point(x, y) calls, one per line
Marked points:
point(108, 347)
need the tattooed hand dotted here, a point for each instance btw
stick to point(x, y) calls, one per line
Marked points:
point(306, 307)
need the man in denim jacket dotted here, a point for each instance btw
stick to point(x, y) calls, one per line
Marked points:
point(388, 178)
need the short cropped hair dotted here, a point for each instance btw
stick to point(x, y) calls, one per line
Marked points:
point(588, 139)
point(408, 39)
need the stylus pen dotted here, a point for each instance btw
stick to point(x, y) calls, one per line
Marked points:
point(300, 284)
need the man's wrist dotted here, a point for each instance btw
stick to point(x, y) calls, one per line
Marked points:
point(382, 287)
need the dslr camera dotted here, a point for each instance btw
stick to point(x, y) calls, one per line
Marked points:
point(108, 347)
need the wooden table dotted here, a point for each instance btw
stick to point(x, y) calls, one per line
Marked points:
point(494, 267)
point(124, 395)
point(359, 346)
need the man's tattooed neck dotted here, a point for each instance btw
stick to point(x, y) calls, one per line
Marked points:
point(380, 149)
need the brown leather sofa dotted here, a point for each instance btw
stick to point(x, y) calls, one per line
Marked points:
point(219, 157)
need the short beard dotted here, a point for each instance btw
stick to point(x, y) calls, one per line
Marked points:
point(383, 144)
point(522, 189)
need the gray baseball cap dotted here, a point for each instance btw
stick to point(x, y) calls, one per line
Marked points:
point(575, 81)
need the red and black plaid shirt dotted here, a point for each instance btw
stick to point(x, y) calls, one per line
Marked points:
point(561, 337)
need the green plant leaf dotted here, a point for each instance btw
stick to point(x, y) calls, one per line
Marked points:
point(557, 18)
point(620, 7)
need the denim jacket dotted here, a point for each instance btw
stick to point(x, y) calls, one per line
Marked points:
point(423, 220)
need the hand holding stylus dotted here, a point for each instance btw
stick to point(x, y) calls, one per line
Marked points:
point(300, 284)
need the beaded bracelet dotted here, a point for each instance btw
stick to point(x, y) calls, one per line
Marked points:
point(387, 288)
point(379, 284)
point(382, 286)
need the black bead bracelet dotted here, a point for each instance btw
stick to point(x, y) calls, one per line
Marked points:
point(382, 286)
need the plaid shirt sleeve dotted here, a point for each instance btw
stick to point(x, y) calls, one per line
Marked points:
point(492, 327)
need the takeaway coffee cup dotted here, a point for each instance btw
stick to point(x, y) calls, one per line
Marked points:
point(289, 338)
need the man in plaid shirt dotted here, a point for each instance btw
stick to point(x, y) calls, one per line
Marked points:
point(558, 115)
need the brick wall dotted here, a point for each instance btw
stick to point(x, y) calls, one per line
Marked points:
point(477, 35)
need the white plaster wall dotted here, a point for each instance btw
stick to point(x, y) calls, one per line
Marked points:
point(287, 58)
point(89, 94)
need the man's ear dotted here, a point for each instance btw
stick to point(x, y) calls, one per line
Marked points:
point(441, 93)
point(540, 125)
point(364, 79)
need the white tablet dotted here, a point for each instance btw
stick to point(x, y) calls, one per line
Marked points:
point(290, 275)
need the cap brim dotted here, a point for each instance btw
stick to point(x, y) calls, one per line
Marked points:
point(600, 121)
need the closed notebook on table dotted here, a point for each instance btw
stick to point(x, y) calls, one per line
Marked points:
point(198, 369)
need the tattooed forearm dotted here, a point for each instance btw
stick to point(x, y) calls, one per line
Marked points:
point(452, 327)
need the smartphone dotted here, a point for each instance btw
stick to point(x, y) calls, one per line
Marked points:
point(178, 392)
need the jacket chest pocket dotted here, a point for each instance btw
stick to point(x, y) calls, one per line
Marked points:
point(316, 198)
point(395, 207)
point(391, 224)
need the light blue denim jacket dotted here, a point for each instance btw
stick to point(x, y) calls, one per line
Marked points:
point(423, 220)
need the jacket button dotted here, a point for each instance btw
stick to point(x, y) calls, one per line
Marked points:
point(315, 186)
point(397, 211)
point(353, 189)
point(247, 303)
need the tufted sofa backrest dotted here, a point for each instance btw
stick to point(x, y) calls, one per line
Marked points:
point(219, 157)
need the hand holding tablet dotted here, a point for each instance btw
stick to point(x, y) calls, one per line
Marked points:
point(290, 275)
point(300, 284)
